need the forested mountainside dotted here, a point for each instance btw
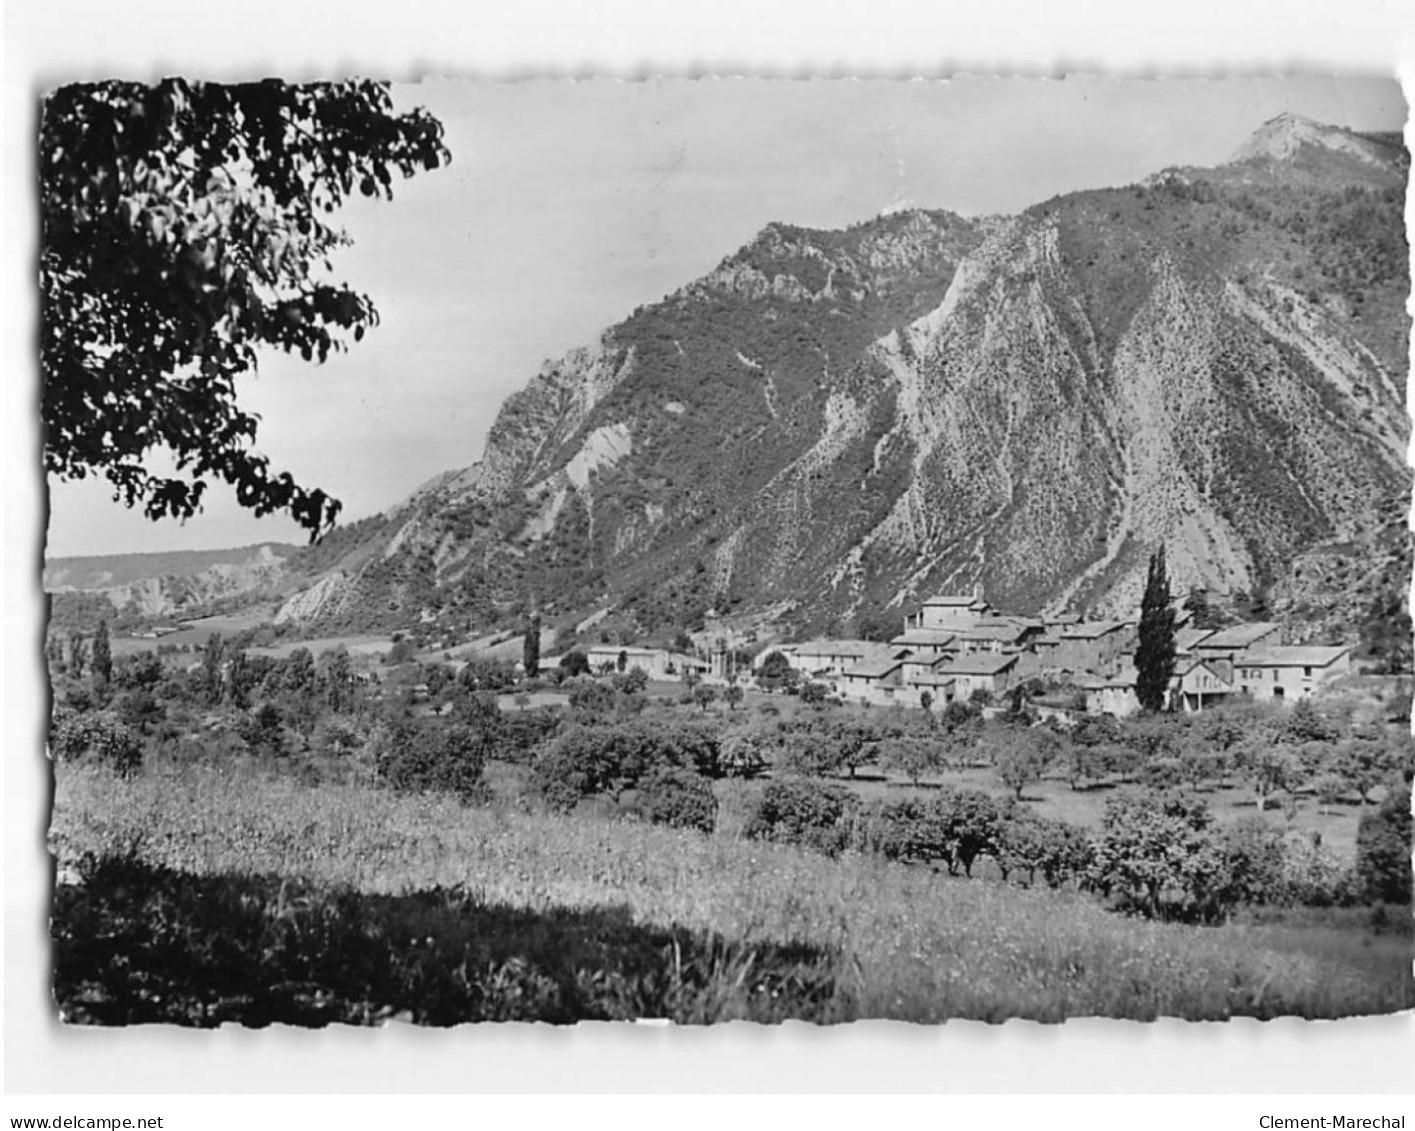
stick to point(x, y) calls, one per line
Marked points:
point(838, 421)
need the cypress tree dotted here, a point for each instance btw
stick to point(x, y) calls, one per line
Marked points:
point(1154, 658)
point(101, 656)
point(530, 650)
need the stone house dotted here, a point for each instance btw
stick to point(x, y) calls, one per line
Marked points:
point(979, 671)
point(1289, 672)
point(875, 681)
point(1200, 684)
point(1094, 646)
point(1227, 643)
point(952, 612)
point(658, 663)
point(828, 658)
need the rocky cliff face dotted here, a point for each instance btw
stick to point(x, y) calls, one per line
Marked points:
point(851, 421)
point(166, 585)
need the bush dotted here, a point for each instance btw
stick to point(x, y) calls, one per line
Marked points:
point(956, 826)
point(630, 682)
point(1383, 849)
point(609, 758)
point(1157, 855)
point(1032, 844)
point(433, 755)
point(903, 830)
point(100, 737)
point(743, 752)
point(523, 733)
point(814, 814)
point(590, 698)
point(679, 798)
point(575, 663)
point(1255, 856)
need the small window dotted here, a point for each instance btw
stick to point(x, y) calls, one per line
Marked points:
point(1307, 671)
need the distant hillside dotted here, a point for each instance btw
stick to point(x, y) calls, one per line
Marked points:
point(105, 571)
point(157, 585)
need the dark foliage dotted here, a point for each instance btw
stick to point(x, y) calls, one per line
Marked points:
point(575, 662)
point(1154, 656)
point(1383, 849)
point(139, 944)
point(434, 755)
point(530, 647)
point(182, 228)
point(679, 798)
point(810, 813)
point(97, 736)
point(611, 757)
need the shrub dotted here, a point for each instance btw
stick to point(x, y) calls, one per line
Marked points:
point(575, 663)
point(903, 830)
point(1255, 855)
point(523, 733)
point(632, 681)
point(743, 753)
point(1314, 877)
point(589, 698)
point(100, 737)
point(1032, 844)
point(972, 822)
point(1158, 856)
point(1383, 843)
point(956, 826)
point(431, 754)
point(810, 813)
point(679, 798)
point(609, 758)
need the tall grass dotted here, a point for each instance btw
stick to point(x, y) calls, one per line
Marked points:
point(899, 942)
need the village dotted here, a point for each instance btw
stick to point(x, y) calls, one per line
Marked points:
point(957, 648)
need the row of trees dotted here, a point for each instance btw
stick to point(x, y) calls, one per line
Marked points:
point(1157, 853)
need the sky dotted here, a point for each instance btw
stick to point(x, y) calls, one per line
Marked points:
point(569, 203)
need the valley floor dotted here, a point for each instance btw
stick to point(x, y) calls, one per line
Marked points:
point(199, 895)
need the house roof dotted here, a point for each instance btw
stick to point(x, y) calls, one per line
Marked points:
point(956, 600)
point(839, 648)
point(1184, 671)
point(932, 679)
point(874, 669)
point(1186, 638)
point(1004, 633)
point(1092, 630)
point(1239, 636)
point(1063, 619)
point(937, 637)
point(1010, 619)
point(979, 663)
point(1295, 656)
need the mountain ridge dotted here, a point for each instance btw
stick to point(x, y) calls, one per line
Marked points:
point(834, 422)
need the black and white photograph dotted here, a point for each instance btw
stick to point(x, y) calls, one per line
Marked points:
point(726, 549)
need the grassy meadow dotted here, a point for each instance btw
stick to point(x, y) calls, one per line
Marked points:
point(229, 893)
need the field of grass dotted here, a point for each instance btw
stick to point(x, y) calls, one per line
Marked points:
point(251, 897)
point(195, 633)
